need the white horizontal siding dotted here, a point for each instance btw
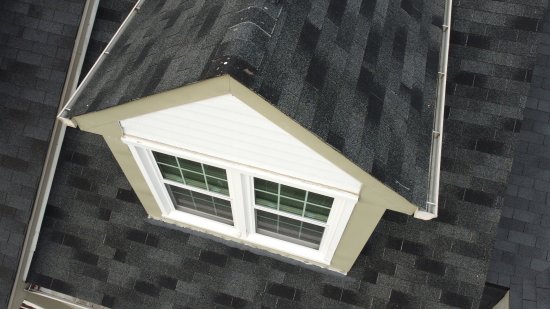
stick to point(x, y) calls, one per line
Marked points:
point(226, 128)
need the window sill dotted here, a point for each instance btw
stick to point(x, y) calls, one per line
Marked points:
point(254, 243)
point(199, 223)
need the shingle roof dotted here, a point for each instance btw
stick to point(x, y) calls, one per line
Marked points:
point(359, 74)
point(36, 38)
point(97, 245)
point(520, 258)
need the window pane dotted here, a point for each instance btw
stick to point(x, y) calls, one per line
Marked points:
point(217, 185)
point(317, 213)
point(170, 173)
point(164, 158)
point(265, 222)
point(201, 204)
point(190, 165)
point(291, 206)
point(319, 199)
point(194, 179)
point(287, 229)
point(265, 185)
point(215, 172)
point(293, 192)
point(266, 199)
point(312, 233)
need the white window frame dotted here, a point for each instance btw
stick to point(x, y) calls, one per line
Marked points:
point(241, 195)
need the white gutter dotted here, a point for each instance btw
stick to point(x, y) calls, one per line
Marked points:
point(39, 297)
point(62, 116)
point(33, 229)
point(437, 135)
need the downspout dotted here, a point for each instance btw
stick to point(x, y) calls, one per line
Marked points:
point(46, 178)
point(63, 116)
point(430, 212)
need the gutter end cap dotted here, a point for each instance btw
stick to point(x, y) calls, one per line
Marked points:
point(424, 215)
point(68, 122)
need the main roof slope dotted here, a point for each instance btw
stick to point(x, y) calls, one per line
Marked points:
point(96, 245)
point(359, 74)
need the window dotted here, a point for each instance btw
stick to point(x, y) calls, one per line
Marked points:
point(260, 208)
point(289, 213)
point(195, 187)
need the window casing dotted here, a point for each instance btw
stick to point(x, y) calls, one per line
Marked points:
point(300, 219)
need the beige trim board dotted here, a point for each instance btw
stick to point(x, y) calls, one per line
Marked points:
point(361, 225)
point(112, 135)
point(206, 89)
point(374, 198)
point(504, 303)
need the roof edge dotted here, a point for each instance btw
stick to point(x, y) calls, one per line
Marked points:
point(429, 211)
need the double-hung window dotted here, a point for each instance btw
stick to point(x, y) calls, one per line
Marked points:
point(256, 207)
point(290, 214)
point(196, 188)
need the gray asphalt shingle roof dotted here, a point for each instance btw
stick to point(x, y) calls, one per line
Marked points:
point(520, 259)
point(96, 243)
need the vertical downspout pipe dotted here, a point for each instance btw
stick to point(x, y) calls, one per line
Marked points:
point(54, 148)
point(430, 211)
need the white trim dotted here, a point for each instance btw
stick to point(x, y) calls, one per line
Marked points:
point(288, 247)
point(203, 223)
point(431, 207)
point(236, 191)
point(424, 215)
point(241, 196)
